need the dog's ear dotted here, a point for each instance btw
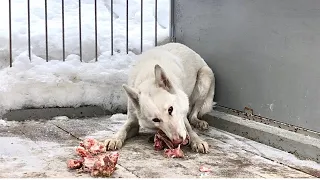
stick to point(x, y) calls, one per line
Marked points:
point(133, 95)
point(162, 79)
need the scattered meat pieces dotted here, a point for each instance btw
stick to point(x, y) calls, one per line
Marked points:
point(93, 146)
point(204, 169)
point(81, 151)
point(74, 164)
point(174, 153)
point(161, 141)
point(105, 165)
point(94, 159)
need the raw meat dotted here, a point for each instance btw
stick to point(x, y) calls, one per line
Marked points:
point(174, 153)
point(161, 141)
point(94, 159)
point(204, 169)
point(93, 146)
point(74, 164)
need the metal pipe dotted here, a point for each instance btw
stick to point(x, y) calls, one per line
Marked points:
point(141, 23)
point(29, 36)
point(172, 35)
point(96, 29)
point(10, 35)
point(46, 27)
point(111, 27)
point(127, 26)
point(63, 34)
point(156, 23)
point(80, 36)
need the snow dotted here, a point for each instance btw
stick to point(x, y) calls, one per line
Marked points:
point(237, 142)
point(3, 122)
point(72, 83)
point(24, 156)
point(61, 118)
point(118, 117)
point(282, 156)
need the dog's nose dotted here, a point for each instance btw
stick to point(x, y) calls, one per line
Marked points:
point(177, 141)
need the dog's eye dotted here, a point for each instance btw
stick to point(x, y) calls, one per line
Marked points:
point(156, 120)
point(170, 110)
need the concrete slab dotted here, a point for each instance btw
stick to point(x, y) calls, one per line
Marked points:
point(301, 145)
point(41, 149)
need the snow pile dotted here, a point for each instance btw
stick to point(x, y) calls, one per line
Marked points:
point(72, 83)
point(3, 122)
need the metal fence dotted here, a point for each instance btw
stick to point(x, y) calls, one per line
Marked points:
point(96, 28)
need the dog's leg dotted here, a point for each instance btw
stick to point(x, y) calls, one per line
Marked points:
point(201, 100)
point(197, 144)
point(208, 102)
point(128, 130)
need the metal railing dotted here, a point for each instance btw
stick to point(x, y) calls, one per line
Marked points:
point(96, 29)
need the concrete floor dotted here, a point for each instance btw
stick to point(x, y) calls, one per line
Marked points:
point(41, 149)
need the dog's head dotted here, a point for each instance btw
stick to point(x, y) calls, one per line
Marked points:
point(163, 106)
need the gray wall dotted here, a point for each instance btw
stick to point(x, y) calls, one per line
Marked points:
point(265, 54)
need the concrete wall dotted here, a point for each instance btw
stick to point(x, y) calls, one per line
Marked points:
point(265, 54)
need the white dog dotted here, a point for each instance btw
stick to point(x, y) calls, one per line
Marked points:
point(169, 88)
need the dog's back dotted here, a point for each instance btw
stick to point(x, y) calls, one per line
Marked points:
point(179, 61)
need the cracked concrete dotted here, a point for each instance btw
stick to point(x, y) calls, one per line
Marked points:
point(41, 149)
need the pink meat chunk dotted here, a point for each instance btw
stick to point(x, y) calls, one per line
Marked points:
point(94, 159)
point(161, 141)
point(74, 164)
point(174, 153)
point(105, 165)
point(93, 146)
point(204, 169)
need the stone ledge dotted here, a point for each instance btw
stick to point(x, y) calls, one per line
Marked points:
point(49, 113)
point(304, 147)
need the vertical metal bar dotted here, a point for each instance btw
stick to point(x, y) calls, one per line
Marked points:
point(141, 23)
point(111, 27)
point(172, 36)
point(96, 29)
point(155, 22)
point(29, 39)
point(63, 34)
point(80, 37)
point(46, 26)
point(10, 35)
point(127, 26)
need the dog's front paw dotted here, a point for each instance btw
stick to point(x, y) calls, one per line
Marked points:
point(200, 146)
point(199, 124)
point(113, 144)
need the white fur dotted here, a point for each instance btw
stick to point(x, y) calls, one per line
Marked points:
point(168, 75)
